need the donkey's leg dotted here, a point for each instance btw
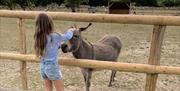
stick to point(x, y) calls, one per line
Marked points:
point(84, 74)
point(87, 73)
point(88, 79)
point(113, 74)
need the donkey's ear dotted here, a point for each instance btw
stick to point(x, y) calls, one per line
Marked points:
point(84, 28)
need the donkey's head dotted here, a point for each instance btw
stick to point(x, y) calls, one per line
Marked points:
point(75, 41)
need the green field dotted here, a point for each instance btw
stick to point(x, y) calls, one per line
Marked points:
point(136, 45)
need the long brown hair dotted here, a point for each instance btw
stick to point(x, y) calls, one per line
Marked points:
point(44, 26)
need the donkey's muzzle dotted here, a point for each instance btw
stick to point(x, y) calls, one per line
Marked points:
point(64, 48)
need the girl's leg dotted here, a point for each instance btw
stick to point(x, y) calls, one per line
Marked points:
point(59, 85)
point(48, 85)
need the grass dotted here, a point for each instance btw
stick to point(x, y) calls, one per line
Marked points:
point(136, 45)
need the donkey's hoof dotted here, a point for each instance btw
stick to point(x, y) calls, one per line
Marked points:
point(110, 85)
point(113, 80)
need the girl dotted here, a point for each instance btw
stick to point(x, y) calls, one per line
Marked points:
point(47, 43)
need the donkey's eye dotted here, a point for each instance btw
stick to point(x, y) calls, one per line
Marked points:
point(76, 36)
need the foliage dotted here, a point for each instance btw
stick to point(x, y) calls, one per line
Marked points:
point(26, 3)
point(9, 3)
point(41, 2)
point(59, 2)
point(145, 2)
point(98, 2)
point(1, 2)
point(168, 2)
point(73, 4)
point(44, 2)
point(23, 3)
point(163, 3)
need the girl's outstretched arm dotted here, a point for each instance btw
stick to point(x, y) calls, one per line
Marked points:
point(68, 35)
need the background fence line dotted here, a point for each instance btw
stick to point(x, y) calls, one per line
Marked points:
point(155, 10)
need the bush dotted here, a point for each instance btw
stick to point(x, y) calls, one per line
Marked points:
point(9, 3)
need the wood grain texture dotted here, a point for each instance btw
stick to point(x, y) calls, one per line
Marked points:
point(108, 18)
point(23, 50)
point(154, 58)
point(125, 67)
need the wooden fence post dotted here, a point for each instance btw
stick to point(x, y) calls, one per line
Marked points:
point(154, 58)
point(23, 50)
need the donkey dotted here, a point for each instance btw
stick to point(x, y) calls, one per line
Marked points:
point(107, 48)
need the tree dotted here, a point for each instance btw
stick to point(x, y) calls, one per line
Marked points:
point(9, 3)
point(41, 2)
point(1, 2)
point(145, 2)
point(23, 3)
point(178, 3)
point(46, 2)
point(168, 3)
point(98, 2)
point(59, 2)
point(73, 4)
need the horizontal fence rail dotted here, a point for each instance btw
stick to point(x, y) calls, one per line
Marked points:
point(108, 18)
point(126, 67)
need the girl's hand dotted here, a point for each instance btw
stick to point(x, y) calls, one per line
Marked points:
point(71, 29)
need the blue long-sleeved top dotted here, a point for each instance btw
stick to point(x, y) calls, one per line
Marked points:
point(54, 41)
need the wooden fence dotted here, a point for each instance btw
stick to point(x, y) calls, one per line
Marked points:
point(155, 10)
point(152, 69)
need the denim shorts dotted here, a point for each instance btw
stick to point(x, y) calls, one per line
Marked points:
point(50, 70)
